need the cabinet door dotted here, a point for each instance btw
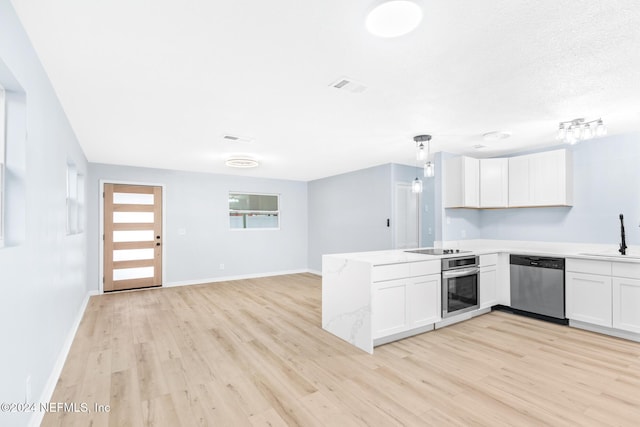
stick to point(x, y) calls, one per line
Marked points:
point(547, 174)
point(589, 298)
point(461, 182)
point(494, 183)
point(389, 307)
point(424, 300)
point(519, 190)
point(488, 287)
point(471, 191)
point(626, 304)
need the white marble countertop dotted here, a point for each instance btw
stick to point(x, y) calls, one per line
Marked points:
point(481, 247)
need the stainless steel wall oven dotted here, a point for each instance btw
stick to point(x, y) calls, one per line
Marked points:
point(459, 285)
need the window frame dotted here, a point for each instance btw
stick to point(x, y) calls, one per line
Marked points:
point(248, 211)
point(75, 203)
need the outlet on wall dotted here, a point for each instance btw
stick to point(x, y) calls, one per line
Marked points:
point(463, 233)
point(221, 266)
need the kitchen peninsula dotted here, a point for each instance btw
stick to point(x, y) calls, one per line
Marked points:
point(372, 298)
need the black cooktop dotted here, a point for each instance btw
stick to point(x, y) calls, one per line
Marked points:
point(435, 251)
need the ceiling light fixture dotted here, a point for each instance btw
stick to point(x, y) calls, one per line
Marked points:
point(394, 18)
point(496, 135)
point(576, 130)
point(241, 162)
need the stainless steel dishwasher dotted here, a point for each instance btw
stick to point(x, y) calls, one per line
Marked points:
point(537, 285)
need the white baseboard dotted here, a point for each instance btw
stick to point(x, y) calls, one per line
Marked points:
point(618, 333)
point(50, 386)
point(228, 278)
point(316, 272)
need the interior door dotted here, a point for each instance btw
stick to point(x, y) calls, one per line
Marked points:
point(407, 227)
point(132, 237)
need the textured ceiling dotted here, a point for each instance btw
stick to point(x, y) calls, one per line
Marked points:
point(158, 83)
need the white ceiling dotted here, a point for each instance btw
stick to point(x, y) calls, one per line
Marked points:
point(157, 83)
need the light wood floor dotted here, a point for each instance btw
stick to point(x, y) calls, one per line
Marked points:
point(252, 353)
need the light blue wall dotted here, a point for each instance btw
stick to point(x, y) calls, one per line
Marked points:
point(606, 176)
point(348, 213)
point(42, 270)
point(198, 203)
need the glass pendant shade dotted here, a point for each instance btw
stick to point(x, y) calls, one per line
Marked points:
point(421, 155)
point(416, 186)
point(587, 133)
point(429, 169)
point(601, 129)
point(577, 132)
point(562, 132)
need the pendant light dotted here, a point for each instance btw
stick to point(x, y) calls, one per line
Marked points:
point(416, 186)
point(429, 167)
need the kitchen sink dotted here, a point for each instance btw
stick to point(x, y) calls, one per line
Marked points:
point(612, 255)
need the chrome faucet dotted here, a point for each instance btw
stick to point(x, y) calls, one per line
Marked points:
point(623, 243)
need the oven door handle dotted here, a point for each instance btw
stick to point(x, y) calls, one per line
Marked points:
point(459, 273)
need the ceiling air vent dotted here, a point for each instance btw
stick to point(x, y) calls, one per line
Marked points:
point(236, 138)
point(349, 85)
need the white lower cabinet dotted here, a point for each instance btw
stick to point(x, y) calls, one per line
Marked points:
point(588, 298)
point(488, 280)
point(424, 300)
point(626, 304)
point(488, 286)
point(404, 304)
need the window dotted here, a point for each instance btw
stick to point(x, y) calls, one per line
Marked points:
point(75, 200)
point(253, 211)
point(3, 118)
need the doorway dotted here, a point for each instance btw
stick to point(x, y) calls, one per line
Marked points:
point(407, 217)
point(132, 237)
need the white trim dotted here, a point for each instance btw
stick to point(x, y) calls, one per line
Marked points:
point(229, 278)
point(101, 226)
point(316, 272)
point(618, 333)
point(50, 386)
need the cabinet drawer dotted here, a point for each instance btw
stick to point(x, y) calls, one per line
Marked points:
point(588, 266)
point(382, 273)
point(625, 269)
point(424, 268)
point(489, 259)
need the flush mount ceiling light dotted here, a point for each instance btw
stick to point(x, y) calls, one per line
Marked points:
point(496, 135)
point(241, 162)
point(394, 18)
point(576, 130)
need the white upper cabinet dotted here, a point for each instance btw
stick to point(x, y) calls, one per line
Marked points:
point(494, 183)
point(519, 191)
point(541, 179)
point(462, 183)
